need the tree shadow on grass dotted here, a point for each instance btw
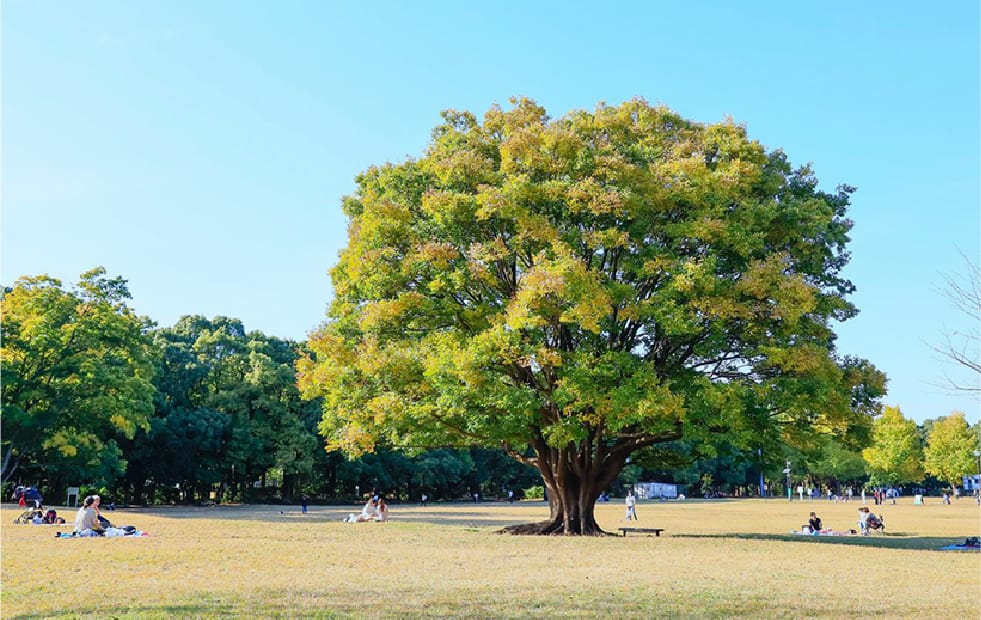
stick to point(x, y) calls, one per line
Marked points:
point(889, 540)
point(203, 609)
point(488, 515)
point(181, 610)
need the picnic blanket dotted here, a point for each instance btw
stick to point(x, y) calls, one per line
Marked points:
point(826, 533)
point(113, 532)
point(970, 544)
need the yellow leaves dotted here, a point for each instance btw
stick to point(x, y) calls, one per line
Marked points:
point(460, 167)
point(545, 356)
point(439, 255)
point(588, 195)
point(721, 307)
point(786, 295)
point(385, 220)
point(125, 425)
point(694, 276)
point(660, 404)
point(384, 406)
point(449, 207)
point(536, 228)
point(67, 442)
point(617, 391)
point(498, 343)
point(559, 290)
point(804, 359)
point(709, 229)
point(333, 356)
point(657, 266)
point(490, 252)
point(353, 440)
point(609, 238)
point(384, 312)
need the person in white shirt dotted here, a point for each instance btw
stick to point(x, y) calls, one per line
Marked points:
point(863, 520)
point(631, 504)
point(369, 512)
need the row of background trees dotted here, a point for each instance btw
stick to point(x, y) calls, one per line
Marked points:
point(94, 394)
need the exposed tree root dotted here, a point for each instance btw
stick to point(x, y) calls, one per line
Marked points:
point(547, 528)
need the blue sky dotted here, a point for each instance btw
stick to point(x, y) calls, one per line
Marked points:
point(200, 150)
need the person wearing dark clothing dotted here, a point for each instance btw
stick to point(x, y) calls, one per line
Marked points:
point(814, 523)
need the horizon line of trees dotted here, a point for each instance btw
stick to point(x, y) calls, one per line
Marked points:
point(94, 395)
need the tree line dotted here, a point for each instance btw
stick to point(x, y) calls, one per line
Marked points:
point(94, 395)
point(97, 396)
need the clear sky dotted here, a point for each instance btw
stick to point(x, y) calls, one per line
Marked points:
point(200, 149)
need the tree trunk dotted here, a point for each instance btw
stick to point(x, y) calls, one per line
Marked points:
point(574, 477)
point(9, 464)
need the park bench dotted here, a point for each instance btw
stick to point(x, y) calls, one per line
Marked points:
point(649, 530)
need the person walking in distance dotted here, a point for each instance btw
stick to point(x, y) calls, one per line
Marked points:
point(631, 506)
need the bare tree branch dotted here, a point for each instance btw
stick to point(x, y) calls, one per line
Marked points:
point(964, 349)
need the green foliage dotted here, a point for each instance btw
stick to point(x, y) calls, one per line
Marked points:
point(896, 454)
point(77, 369)
point(950, 449)
point(227, 410)
point(584, 287)
point(535, 492)
point(836, 462)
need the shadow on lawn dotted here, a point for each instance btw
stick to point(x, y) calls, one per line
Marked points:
point(485, 515)
point(889, 540)
point(204, 609)
point(179, 610)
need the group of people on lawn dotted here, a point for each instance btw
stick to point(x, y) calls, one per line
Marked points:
point(375, 509)
point(866, 522)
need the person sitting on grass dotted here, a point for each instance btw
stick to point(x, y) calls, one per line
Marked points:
point(814, 523)
point(87, 519)
point(51, 518)
point(369, 512)
point(381, 512)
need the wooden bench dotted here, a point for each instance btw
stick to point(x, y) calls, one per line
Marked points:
point(650, 530)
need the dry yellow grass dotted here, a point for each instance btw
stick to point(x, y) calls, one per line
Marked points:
point(716, 559)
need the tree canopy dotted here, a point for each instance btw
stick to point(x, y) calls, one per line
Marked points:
point(896, 454)
point(227, 411)
point(77, 370)
point(950, 449)
point(576, 289)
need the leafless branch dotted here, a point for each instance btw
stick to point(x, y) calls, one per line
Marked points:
point(964, 349)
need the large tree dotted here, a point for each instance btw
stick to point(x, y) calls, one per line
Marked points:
point(77, 370)
point(950, 449)
point(896, 453)
point(574, 290)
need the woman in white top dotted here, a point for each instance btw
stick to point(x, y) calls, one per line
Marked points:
point(863, 519)
point(369, 512)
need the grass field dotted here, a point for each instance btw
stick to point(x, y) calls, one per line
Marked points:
point(720, 558)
